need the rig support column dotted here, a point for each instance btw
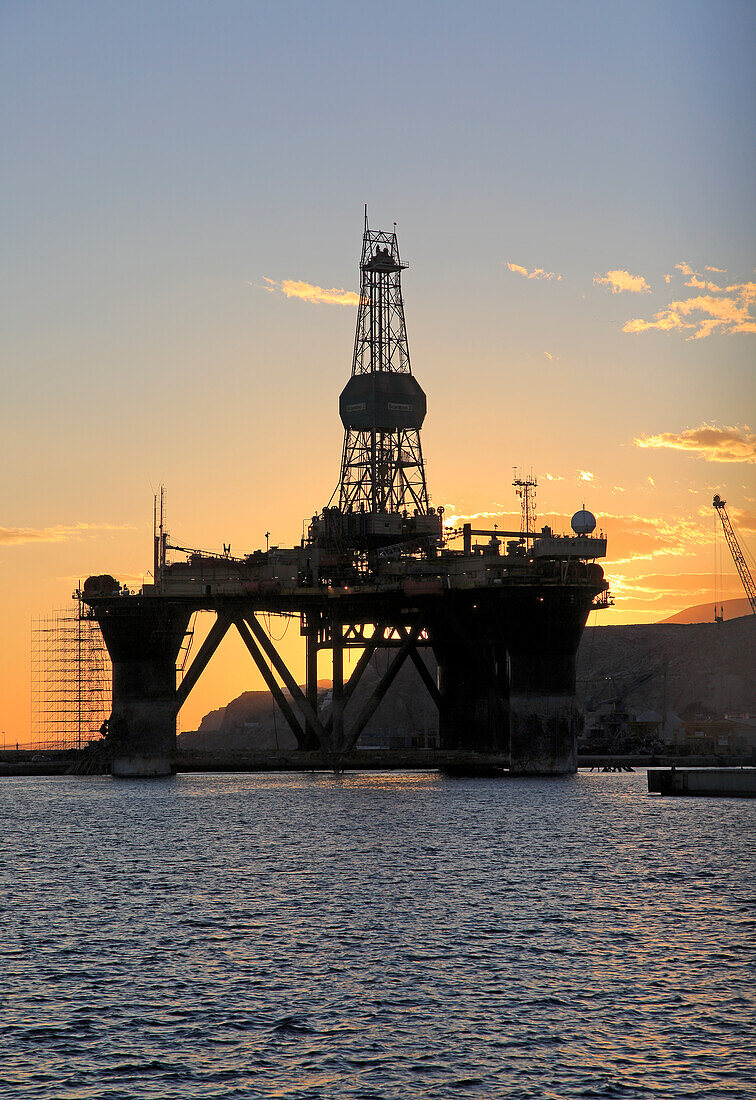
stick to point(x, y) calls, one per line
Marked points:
point(472, 703)
point(143, 637)
point(543, 717)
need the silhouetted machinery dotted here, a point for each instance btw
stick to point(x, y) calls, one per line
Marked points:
point(738, 557)
point(377, 570)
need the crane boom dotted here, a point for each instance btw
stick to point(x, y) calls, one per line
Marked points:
point(737, 554)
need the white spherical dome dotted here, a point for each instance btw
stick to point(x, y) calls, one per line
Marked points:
point(583, 522)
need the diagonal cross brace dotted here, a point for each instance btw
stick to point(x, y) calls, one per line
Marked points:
point(273, 685)
point(370, 647)
point(297, 695)
point(199, 664)
point(382, 686)
point(425, 676)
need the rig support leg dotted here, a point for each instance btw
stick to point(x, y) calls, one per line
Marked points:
point(143, 639)
point(472, 687)
point(543, 718)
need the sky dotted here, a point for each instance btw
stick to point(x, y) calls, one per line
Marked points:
point(182, 203)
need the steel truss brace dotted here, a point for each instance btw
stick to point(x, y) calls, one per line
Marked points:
point(199, 664)
point(385, 682)
point(371, 644)
point(273, 685)
point(298, 697)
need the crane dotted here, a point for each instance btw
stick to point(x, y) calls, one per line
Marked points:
point(737, 554)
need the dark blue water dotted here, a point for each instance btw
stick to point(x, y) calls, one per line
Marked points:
point(374, 936)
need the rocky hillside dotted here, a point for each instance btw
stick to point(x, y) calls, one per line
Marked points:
point(710, 667)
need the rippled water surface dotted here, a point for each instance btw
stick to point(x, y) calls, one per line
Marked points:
point(308, 936)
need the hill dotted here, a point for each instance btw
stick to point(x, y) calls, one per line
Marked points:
point(704, 612)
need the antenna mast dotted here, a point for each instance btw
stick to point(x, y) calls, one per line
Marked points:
point(525, 487)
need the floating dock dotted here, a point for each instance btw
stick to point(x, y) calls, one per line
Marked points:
point(717, 782)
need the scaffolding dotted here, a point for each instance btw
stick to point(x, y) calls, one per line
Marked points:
point(70, 679)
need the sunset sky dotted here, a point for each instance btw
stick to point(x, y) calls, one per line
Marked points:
point(183, 191)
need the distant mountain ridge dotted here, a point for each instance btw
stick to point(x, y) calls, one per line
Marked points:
point(704, 612)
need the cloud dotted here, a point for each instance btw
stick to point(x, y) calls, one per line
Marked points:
point(585, 475)
point(651, 481)
point(548, 355)
point(704, 315)
point(18, 536)
point(667, 278)
point(536, 273)
point(619, 280)
point(687, 588)
point(686, 269)
point(295, 288)
point(742, 518)
point(701, 284)
point(720, 270)
point(633, 538)
point(727, 444)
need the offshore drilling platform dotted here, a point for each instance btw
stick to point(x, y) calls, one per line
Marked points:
point(377, 570)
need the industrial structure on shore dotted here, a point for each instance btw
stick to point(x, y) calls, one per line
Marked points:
point(376, 570)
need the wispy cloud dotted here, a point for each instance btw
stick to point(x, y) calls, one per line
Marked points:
point(536, 273)
point(686, 587)
point(585, 475)
point(721, 270)
point(619, 280)
point(308, 292)
point(701, 284)
point(704, 315)
point(726, 444)
point(635, 538)
point(548, 355)
point(18, 536)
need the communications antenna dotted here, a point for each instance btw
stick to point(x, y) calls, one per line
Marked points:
point(737, 554)
point(525, 487)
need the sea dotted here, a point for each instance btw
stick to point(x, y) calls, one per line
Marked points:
point(374, 935)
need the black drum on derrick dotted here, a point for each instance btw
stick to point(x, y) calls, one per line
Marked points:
point(384, 400)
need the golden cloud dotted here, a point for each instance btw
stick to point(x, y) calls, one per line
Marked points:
point(17, 536)
point(308, 292)
point(727, 444)
point(726, 315)
point(720, 270)
point(701, 284)
point(687, 588)
point(585, 475)
point(536, 273)
point(619, 280)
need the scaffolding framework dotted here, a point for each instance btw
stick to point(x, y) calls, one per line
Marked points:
point(70, 679)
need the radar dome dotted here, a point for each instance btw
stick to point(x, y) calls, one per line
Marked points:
point(583, 522)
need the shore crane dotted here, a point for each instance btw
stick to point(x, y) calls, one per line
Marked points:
point(737, 554)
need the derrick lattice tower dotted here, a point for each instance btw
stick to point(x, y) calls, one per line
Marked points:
point(382, 406)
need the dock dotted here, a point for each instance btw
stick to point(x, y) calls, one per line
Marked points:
point(713, 782)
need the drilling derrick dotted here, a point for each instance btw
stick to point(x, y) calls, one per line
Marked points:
point(383, 496)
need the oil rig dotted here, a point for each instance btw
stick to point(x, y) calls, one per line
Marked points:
point(377, 570)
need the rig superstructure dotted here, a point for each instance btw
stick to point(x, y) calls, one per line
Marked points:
point(378, 570)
